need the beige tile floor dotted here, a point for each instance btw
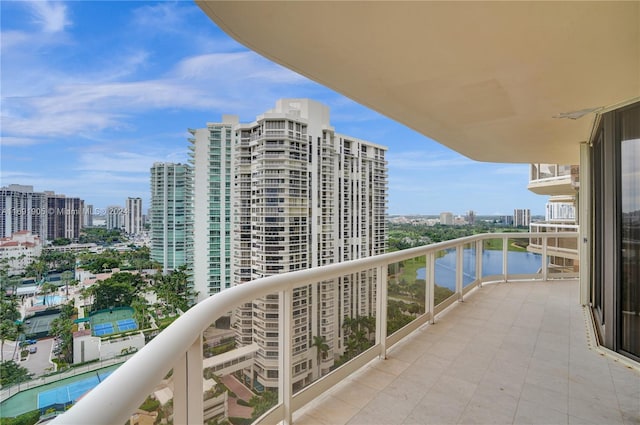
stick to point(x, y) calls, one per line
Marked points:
point(511, 353)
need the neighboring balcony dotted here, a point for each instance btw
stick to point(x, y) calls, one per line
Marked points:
point(516, 350)
point(562, 252)
point(553, 179)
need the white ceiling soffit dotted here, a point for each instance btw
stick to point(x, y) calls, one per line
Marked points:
point(495, 81)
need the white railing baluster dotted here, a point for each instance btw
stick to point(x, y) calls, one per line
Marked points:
point(187, 386)
point(479, 262)
point(459, 270)
point(284, 342)
point(381, 309)
point(430, 277)
point(505, 264)
point(545, 261)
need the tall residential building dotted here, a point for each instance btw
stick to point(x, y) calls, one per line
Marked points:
point(114, 217)
point(170, 214)
point(133, 216)
point(446, 218)
point(471, 217)
point(303, 196)
point(64, 216)
point(211, 157)
point(521, 217)
point(23, 209)
point(87, 220)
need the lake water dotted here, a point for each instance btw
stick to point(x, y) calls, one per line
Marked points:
point(518, 263)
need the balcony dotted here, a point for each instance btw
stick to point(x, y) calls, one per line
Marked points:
point(562, 251)
point(553, 179)
point(501, 347)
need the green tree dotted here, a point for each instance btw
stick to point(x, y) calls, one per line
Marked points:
point(262, 403)
point(174, 290)
point(322, 348)
point(100, 236)
point(358, 331)
point(12, 373)
point(9, 315)
point(67, 276)
point(118, 290)
point(140, 307)
point(38, 269)
point(47, 288)
point(62, 330)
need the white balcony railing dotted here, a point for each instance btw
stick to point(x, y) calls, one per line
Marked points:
point(179, 347)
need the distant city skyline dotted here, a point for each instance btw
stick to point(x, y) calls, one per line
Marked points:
point(95, 92)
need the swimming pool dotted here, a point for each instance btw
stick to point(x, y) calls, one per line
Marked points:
point(50, 300)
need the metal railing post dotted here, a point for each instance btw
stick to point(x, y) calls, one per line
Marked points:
point(188, 381)
point(459, 267)
point(284, 376)
point(505, 264)
point(545, 262)
point(479, 262)
point(430, 277)
point(381, 309)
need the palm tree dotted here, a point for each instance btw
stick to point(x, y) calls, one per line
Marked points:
point(322, 348)
point(9, 314)
point(140, 306)
point(47, 288)
point(66, 277)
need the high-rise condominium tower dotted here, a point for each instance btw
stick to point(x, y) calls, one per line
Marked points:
point(115, 217)
point(64, 216)
point(211, 158)
point(301, 196)
point(521, 217)
point(22, 209)
point(133, 216)
point(170, 214)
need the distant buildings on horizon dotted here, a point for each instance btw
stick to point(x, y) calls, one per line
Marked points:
point(520, 217)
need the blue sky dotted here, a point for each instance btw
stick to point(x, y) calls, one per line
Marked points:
point(93, 93)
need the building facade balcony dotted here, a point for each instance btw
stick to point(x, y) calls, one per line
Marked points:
point(553, 179)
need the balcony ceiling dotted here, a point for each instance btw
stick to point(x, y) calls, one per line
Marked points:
point(483, 78)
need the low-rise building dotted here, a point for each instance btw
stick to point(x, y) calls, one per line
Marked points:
point(20, 250)
point(87, 347)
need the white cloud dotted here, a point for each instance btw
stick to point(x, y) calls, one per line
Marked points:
point(420, 160)
point(51, 16)
point(521, 170)
point(234, 67)
point(13, 38)
point(117, 162)
point(165, 16)
point(80, 105)
point(18, 141)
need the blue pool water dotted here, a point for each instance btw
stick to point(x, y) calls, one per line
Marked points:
point(51, 300)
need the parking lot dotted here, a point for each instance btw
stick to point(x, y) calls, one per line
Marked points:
point(38, 362)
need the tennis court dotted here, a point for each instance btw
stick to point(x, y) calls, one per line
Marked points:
point(103, 329)
point(69, 393)
point(127, 325)
point(115, 320)
point(39, 325)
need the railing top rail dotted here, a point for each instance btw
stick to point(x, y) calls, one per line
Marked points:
point(141, 372)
